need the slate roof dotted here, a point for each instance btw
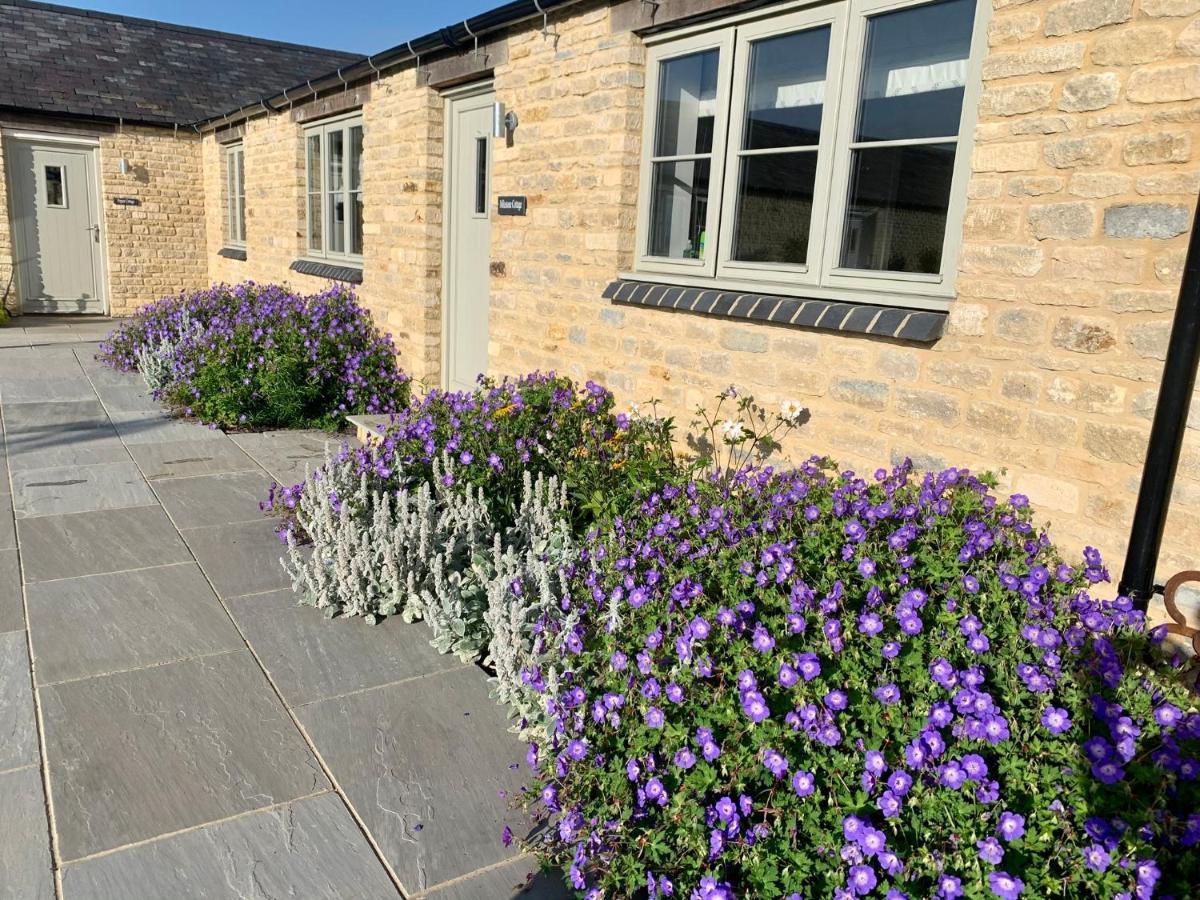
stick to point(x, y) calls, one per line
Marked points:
point(61, 60)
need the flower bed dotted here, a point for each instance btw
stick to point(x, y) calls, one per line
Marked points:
point(261, 356)
point(808, 684)
point(740, 682)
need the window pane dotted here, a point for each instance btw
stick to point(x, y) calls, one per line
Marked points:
point(774, 207)
point(356, 146)
point(335, 181)
point(786, 90)
point(915, 68)
point(337, 155)
point(678, 209)
point(687, 104)
point(481, 161)
point(896, 217)
point(314, 193)
point(56, 188)
point(241, 195)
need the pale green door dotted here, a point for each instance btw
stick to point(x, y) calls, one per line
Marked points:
point(56, 227)
point(468, 210)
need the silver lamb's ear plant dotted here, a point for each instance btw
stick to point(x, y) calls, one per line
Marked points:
point(526, 594)
point(433, 553)
point(157, 363)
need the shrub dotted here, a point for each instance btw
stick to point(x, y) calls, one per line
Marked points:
point(540, 423)
point(260, 356)
point(811, 684)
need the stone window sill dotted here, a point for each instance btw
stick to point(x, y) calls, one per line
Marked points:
point(349, 274)
point(232, 253)
point(825, 315)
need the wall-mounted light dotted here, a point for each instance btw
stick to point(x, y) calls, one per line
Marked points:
point(123, 166)
point(502, 123)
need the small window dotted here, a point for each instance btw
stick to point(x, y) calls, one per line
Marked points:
point(235, 196)
point(825, 147)
point(481, 176)
point(56, 187)
point(334, 189)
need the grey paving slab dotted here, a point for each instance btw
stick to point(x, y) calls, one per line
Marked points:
point(423, 764)
point(518, 880)
point(310, 657)
point(145, 753)
point(290, 455)
point(128, 395)
point(26, 361)
point(92, 543)
point(38, 416)
point(138, 427)
point(8, 532)
point(214, 499)
point(25, 872)
point(12, 613)
point(133, 619)
point(241, 558)
point(43, 390)
point(68, 489)
point(88, 448)
point(309, 849)
point(13, 336)
point(18, 731)
point(164, 459)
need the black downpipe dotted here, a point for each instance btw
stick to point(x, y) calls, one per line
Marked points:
point(1166, 434)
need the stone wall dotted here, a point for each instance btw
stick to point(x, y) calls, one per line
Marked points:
point(158, 247)
point(402, 231)
point(152, 249)
point(1083, 192)
point(1083, 188)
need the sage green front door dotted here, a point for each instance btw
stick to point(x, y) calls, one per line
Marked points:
point(468, 211)
point(56, 226)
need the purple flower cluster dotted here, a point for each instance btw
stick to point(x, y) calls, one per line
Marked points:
point(886, 687)
point(540, 423)
point(257, 355)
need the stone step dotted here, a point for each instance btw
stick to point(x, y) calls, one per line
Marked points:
point(367, 428)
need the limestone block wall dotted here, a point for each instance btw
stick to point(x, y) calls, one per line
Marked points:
point(158, 247)
point(1084, 182)
point(1084, 186)
point(152, 249)
point(402, 225)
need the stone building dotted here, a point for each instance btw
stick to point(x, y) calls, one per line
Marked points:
point(953, 229)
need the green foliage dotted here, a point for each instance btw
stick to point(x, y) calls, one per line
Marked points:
point(759, 656)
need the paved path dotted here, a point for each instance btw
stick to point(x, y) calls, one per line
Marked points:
point(172, 724)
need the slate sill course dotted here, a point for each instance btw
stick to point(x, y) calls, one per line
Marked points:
point(922, 326)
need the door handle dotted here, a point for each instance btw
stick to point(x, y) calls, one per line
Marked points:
point(95, 230)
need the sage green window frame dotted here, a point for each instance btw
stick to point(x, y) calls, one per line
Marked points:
point(235, 195)
point(819, 276)
point(321, 194)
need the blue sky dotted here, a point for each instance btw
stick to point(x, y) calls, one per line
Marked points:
point(364, 26)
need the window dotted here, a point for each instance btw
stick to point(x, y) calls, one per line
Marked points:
point(56, 187)
point(235, 196)
point(813, 151)
point(333, 189)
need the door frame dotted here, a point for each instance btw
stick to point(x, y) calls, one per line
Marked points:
point(449, 97)
point(53, 140)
